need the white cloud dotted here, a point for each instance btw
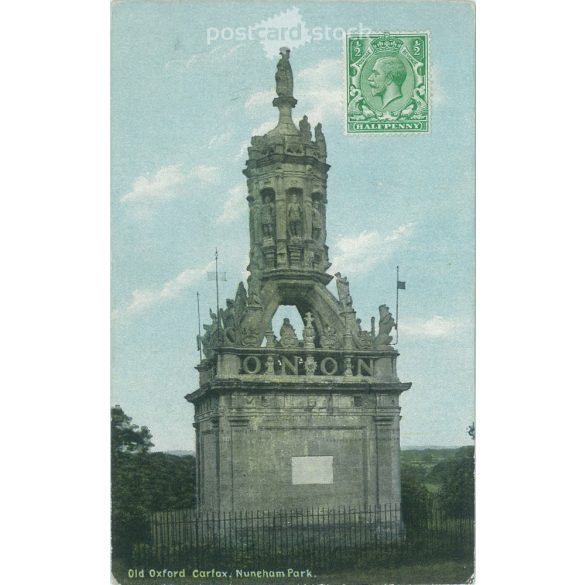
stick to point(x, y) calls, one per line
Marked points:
point(143, 299)
point(436, 326)
point(206, 173)
point(164, 185)
point(322, 89)
point(359, 254)
point(161, 185)
point(235, 205)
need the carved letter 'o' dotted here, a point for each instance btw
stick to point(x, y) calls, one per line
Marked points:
point(246, 364)
point(328, 360)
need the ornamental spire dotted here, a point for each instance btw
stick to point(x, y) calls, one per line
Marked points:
point(285, 101)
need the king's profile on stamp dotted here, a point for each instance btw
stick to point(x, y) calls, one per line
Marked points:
point(388, 75)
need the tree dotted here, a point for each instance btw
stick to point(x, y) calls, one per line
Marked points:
point(130, 445)
point(127, 437)
point(143, 482)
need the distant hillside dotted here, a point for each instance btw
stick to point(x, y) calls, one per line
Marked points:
point(423, 447)
point(428, 456)
point(180, 453)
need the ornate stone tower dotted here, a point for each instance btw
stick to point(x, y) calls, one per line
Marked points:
point(289, 419)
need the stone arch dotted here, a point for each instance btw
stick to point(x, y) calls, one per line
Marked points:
point(306, 296)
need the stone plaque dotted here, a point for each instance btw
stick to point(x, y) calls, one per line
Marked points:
point(307, 470)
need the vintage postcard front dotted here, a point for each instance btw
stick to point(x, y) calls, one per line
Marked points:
point(292, 292)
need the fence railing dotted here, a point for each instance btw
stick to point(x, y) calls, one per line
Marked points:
point(319, 538)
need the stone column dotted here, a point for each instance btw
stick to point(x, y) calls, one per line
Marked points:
point(281, 226)
point(384, 459)
point(395, 491)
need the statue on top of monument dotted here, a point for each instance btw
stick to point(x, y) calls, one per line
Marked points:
point(284, 75)
point(343, 291)
point(385, 326)
point(228, 318)
point(363, 339)
point(288, 336)
point(211, 336)
point(305, 129)
point(320, 140)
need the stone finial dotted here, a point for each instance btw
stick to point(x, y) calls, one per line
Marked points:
point(309, 332)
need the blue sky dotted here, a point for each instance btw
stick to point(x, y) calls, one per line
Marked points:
point(183, 111)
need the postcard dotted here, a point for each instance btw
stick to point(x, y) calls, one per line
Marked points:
point(293, 274)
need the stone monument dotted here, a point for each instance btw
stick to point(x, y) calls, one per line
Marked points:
point(285, 418)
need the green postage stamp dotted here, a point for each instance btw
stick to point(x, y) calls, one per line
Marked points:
point(387, 82)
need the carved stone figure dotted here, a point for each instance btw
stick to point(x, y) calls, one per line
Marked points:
point(364, 339)
point(288, 336)
point(268, 217)
point(294, 215)
point(343, 291)
point(317, 221)
point(320, 140)
point(240, 304)
point(305, 129)
point(385, 326)
point(228, 318)
point(329, 338)
point(284, 75)
point(210, 337)
point(254, 291)
point(249, 336)
point(347, 366)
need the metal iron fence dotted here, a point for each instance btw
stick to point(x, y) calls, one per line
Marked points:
point(318, 538)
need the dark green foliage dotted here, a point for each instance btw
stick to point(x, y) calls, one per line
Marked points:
point(415, 496)
point(143, 482)
point(457, 493)
point(451, 475)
